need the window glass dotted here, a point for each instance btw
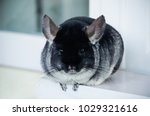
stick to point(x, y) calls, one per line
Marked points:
point(25, 15)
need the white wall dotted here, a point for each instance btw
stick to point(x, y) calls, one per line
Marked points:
point(132, 19)
point(21, 50)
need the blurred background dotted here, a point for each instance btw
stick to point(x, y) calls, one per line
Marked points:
point(25, 16)
point(21, 39)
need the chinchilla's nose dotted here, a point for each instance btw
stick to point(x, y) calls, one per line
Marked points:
point(70, 67)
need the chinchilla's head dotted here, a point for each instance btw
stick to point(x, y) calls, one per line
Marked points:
point(70, 48)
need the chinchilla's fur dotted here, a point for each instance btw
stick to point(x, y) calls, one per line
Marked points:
point(81, 51)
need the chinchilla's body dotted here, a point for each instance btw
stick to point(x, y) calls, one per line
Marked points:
point(81, 51)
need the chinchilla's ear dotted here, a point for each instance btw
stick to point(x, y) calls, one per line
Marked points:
point(49, 28)
point(96, 29)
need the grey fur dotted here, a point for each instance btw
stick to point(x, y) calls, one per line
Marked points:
point(108, 53)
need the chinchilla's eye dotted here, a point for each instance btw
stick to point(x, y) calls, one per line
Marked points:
point(60, 51)
point(81, 51)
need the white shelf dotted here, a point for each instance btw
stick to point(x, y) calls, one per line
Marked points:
point(122, 85)
point(128, 82)
point(19, 83)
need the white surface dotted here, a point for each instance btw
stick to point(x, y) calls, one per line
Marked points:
point(132, 19)
point(18, 83)
point(122, 85)
point(128, 82)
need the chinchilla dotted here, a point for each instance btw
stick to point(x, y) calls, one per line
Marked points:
point(80, 51)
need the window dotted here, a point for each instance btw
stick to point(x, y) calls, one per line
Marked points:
point(25, 15)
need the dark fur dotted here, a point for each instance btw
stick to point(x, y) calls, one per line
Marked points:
point(72, 50)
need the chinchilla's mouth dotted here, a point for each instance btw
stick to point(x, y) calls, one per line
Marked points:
point(75, 72)
point(72, 72)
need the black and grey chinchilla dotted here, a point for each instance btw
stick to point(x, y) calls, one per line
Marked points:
point(81, 51)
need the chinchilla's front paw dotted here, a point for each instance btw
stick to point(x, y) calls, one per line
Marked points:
point(63, 86)
point(75, 87)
